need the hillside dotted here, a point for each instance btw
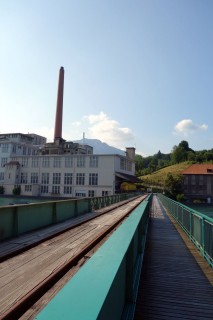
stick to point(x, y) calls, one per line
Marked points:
point(158, 177)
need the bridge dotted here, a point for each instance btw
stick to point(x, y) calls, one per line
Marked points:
point(156, 265)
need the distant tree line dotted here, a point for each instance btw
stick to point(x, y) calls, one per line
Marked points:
point(180, 153)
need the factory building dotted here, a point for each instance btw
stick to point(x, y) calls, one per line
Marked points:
point(60, 168)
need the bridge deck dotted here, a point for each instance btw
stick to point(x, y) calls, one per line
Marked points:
point(172, 284)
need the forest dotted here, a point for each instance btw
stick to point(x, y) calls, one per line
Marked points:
point(180, 153)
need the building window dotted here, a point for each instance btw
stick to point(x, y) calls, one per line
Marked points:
point(45, 162)
point(193, 179)
point(67, 190)
point(44, 189)
point(93, 162)
point(57, 162)
point(28, 187)
point(56, 189)
point(80, 194)
point(122, 164)
point(24, 177)
point(125, 164)
point(56, 178)
point(80, 162)
point(34, 177)
point(80, 178)
point(1, 175)
point(93, 179)
point(5, 147)
point(35, 162)
point(91, 193)
point(45, 177)
point(3, 161)
point(68, 178)
point(105, 193)
point(14, 148)
point(24, 162)
point(68, 162)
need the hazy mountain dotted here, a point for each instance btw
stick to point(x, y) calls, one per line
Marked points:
point(100, 147)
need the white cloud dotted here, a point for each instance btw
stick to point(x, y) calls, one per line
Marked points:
point(186, 127)
point(108, 130)
point(96, 126)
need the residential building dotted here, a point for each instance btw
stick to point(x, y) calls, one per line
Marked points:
point(198, 182)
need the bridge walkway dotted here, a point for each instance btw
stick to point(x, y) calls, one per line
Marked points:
point(172, 284)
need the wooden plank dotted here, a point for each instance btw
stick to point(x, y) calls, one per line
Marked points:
point(21, 274)
point(172, 284)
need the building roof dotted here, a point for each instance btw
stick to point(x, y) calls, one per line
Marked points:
point(127, 177)
point(199, 169)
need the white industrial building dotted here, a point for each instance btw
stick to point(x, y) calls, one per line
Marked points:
point(60, 168)
point(66, 175)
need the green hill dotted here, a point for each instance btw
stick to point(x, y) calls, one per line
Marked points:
point(158, 177)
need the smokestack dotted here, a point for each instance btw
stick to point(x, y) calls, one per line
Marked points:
point(59, 106)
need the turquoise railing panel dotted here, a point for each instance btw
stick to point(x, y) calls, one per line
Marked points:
point(105, 287)
point(197, 226)
point(18, 219)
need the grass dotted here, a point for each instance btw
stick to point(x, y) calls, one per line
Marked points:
point(158, 177)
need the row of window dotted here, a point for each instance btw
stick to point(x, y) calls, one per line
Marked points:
point(66, 190)
point(57, 162)
point(58, 178)
point(15, 149)
point(67, 162)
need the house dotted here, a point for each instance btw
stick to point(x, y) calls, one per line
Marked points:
point(198, 182)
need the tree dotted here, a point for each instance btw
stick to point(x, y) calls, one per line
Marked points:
point(184, 144)
point(1, 190)
point(17, 190)
point(173, 184)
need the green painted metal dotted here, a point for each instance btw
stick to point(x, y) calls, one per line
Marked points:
point(8, 223)
point(35, 216)
point(105, 287)
point(197, 226)
point(18, 219)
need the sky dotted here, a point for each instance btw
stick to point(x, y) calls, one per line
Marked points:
point(138, 73)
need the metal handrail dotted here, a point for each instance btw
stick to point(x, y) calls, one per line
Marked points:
point(196, 225)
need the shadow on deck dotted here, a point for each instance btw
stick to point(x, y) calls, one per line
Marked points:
point(172, 284)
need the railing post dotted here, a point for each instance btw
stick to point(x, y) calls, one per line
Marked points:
point(203, 237)
point(191, 225)
point(54, 217)
point(15, 222)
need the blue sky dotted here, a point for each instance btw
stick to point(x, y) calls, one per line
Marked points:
point(137, 73)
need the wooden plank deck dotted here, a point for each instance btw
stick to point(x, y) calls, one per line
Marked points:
point(172, 284)
point(32, 238)
point(22, 274)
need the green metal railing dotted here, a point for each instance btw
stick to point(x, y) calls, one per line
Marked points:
point(105, 288)
point(18, 219)
point(96, 203)
point(197, 226)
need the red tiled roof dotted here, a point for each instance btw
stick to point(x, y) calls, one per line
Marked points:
point(199, 169)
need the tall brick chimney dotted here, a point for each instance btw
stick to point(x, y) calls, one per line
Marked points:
point(59, 106)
